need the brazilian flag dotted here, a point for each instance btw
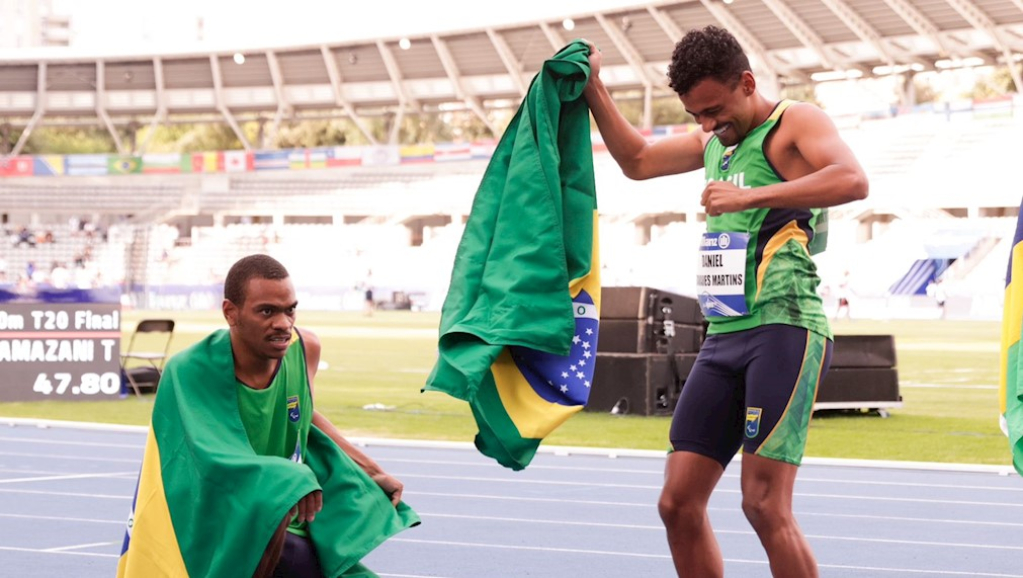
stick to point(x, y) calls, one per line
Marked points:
point(518, 330)
point(124, 165)
point(207, 504)
point(1011, 382)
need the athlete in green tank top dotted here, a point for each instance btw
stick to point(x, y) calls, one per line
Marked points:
point(754, 381)
point(780, 279)
point(277, 418)
point(274, 370)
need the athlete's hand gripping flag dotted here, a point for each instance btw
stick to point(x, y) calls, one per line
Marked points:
point(518, 331)
point(1011, 382)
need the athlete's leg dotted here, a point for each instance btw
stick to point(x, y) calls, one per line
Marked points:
point(272, 553)
point(706, 432)
point(767, 502)
point(689, 479)
point(298, 559)
point(785, 366)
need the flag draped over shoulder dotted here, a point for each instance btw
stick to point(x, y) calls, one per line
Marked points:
point(518, 330)
point(1011, 382)
point(207, 505)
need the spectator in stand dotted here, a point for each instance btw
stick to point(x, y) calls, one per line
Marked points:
point(40, 277)
point(25, 236)
point(60, 277)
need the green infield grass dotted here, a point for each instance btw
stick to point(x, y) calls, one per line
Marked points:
point(375, 366)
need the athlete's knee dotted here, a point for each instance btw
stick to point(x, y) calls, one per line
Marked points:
point(679, 512)
point(765, 512)
point(767, 487)
point(756, 511)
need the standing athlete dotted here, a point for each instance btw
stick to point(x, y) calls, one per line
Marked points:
point(770, 167)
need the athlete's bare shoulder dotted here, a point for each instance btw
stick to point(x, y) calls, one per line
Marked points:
point(311, 343)
point(806, 141)
point(802, 117)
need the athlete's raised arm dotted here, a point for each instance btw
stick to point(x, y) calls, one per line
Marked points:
point(638, 158)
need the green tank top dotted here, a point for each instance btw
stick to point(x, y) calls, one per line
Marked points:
point(780, 281)
point(277, 419)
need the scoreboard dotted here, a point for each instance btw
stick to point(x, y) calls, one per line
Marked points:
point(67, 351)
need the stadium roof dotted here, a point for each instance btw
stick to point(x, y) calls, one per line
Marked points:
point(789, 41)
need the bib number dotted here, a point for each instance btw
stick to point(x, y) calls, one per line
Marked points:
point(721, 275)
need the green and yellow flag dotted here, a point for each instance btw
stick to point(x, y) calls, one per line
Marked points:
point(207, 504)
point(518, 330)
point(124, 165)
point(1010, 386)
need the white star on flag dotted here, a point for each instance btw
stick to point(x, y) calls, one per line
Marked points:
point(541, 369)
point(586, 383)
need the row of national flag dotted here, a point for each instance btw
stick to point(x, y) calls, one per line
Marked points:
point(241, 161)
point(278, 160)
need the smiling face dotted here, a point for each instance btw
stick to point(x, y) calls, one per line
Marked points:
point(724, 109)
point(261, 324)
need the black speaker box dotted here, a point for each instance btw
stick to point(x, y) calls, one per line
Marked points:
point(864, 351)
point(642, 336)
point(858, 387)
point(640, 384)
point(644, 302)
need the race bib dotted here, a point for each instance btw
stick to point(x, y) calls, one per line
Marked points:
point(721, 275)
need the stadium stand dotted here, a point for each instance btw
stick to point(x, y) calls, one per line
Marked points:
point(171, 237)
point(487, 69)
point(394, 214)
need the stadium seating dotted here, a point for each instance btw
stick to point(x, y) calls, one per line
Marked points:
point(934, 195)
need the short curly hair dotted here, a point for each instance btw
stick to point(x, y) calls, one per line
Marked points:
point(711, 52)
point(251, 267)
